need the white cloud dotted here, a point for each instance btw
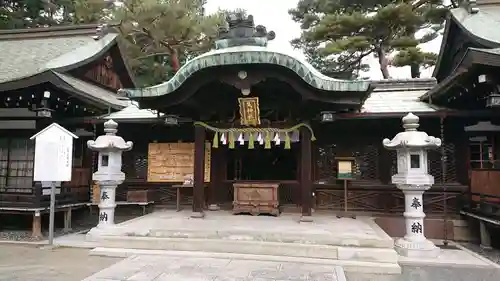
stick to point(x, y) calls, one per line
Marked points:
point(273, 14)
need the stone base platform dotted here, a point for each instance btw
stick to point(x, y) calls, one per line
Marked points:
point(360, 241)
point(167, 268)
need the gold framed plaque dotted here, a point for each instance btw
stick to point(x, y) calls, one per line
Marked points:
point(249, 111)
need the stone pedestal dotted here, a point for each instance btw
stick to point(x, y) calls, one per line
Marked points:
point(485, 236)
point(414, 243)
point(107, 205)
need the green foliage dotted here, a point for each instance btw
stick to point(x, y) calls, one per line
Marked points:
point(91, 11)
point(338, 34)
point(160, 35)
point(34, 13)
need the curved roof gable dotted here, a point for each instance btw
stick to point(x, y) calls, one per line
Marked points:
point(240, 55)
point(482, 24)
point(243, 43)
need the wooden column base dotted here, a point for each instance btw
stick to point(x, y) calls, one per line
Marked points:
point(36, 228)
point(67, 220)
point(213, 207)
point(306, 219)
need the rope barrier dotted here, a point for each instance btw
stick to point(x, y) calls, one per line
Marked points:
point(251, 131)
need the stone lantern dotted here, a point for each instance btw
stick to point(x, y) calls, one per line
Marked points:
point(108, 175)
point(412, 178)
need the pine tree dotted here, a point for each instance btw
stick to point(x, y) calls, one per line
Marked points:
point(34, 13)
point(338, 34)
point(161, 35)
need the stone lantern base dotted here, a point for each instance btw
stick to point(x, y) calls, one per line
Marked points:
point(416, 249)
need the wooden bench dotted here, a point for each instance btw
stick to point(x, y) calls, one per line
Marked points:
point(484, 232)
point(36, 228)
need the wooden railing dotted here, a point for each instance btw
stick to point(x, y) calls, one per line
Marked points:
point(378, 198)
point(483, 204)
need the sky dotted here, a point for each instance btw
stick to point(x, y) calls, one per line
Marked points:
point(273, 14)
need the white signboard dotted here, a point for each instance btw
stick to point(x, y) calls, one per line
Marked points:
point(53, 154)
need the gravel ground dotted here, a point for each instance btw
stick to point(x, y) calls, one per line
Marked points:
point(493, 254)
point(29, 263)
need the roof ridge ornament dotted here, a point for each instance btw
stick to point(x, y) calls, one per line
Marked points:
point(101, 31)
point(471, 6)
point(240, 30)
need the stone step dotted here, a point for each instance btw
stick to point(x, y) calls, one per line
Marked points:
point(380, 256)
point(348, 265)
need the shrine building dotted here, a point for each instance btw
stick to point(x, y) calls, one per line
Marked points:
point(267, 124)
point(247, 127)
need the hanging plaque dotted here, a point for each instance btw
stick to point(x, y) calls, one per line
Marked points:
point(249, 111)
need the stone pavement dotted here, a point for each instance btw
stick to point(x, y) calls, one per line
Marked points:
point(344, 239)
point(431, 273)
point(324, 230)
point(28, 263)
point(164, 268)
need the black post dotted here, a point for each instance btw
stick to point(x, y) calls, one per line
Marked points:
point(306, 173)
point(199, 172)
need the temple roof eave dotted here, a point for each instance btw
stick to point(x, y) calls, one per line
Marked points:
point(480, 26)
point(246, 55)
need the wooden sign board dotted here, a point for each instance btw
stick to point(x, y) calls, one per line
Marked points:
point(53, 154)
point(344, 169)
point(173, 162)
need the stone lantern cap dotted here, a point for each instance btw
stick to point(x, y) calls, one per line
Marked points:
point(411, 138)
point(110, 141)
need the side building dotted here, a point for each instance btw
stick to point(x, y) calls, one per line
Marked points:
point(67, 75)
point(467, 73)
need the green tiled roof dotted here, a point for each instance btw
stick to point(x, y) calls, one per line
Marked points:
point(25, 57)
point(388, 96)
point(242, 55)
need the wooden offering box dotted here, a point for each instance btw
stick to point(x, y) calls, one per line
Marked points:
point(256, 198)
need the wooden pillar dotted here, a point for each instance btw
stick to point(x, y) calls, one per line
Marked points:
point(461, 153)
point(67, 220)
point(199, 172)
point(215, 179)
point(36, 228)
point(306, 174)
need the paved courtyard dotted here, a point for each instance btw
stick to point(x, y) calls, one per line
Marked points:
point(164, 268)
point(28, 263)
